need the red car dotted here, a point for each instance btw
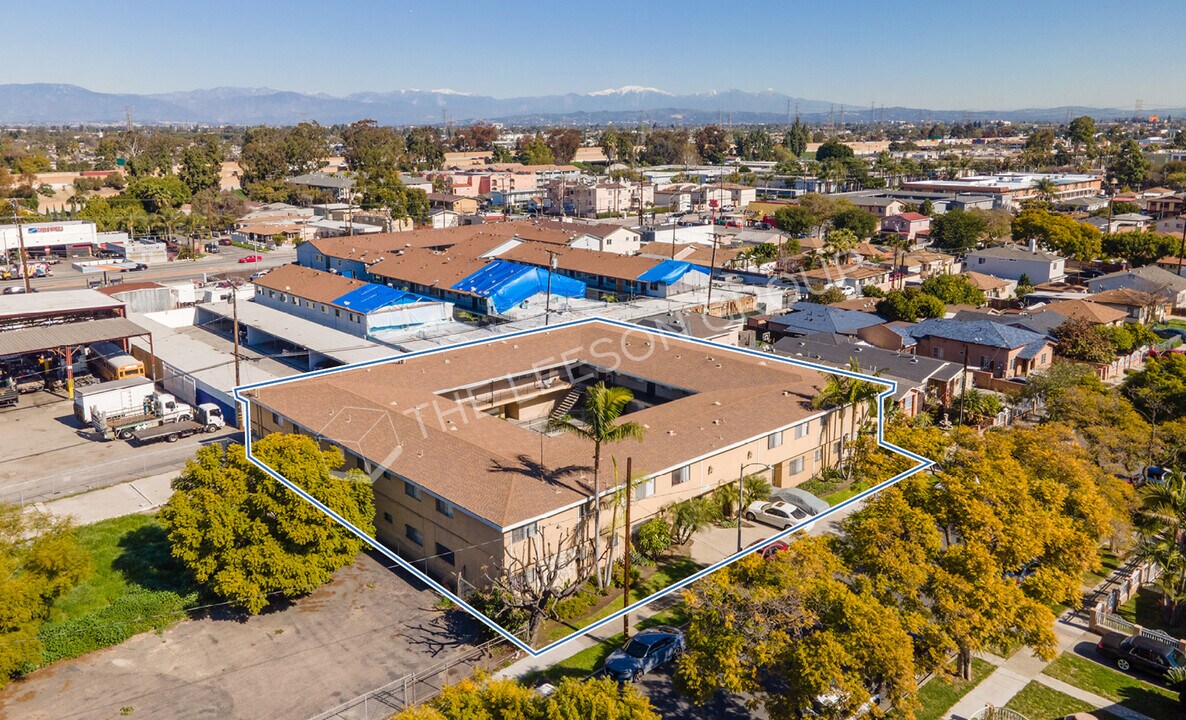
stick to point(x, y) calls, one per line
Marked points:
point(251, 258)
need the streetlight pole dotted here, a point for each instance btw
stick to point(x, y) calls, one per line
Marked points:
point(20, 239)
point(552, 255)
point(741, 494)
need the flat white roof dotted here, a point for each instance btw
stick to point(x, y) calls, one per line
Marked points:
point(323, 340)
point(52, 301)
point(207, 356)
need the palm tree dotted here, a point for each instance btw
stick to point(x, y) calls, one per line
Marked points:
point(603, 406)
point(898, 243)
point(843, 392)
point(1161, 522)
point(1046, 189)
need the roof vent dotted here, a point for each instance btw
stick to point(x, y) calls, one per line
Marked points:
point(914, 359)
point(716, 402)
point(718, 366)
point(671, 432)
point(786, 393)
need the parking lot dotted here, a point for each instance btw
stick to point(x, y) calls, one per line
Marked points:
point(48, 453)
point(368, 627)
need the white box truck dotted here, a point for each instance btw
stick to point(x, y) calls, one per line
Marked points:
point(111, 397)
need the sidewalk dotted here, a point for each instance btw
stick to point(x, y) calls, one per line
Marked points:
point(115, 501)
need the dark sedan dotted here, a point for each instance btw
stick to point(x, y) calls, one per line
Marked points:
point(1141, 653)
point(644, 652)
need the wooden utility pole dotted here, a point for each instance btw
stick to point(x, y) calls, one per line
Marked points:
point(626, 554)
point(552, 254)
point(20, 241)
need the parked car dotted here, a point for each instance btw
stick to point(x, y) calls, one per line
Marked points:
point(781, 515)
point(801, 499)
point(1091, 273)
point(251, 258)
point(212, 247)
point(224, 241)
point(17, 289)
point(644, 652)
point(770, 550)
point(258, 275)
point(1142, 653)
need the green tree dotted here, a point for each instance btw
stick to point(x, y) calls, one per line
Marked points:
point(1129, 167)
point(927, 208)
point(157, 193)
point(861, 222)
point(1161, 523)
point(1082, 340)
point(271, 154)
point(797, 137)
point(755, 144)
point(220, 207)
point(1046, 189)
point(797, 220)
point(246, 537)
point(833, 149)
point(953, 290)
point(1081, 131)
point(485, 698)
point(958, 230)
point(1058, 233)
point(563, 142)
point(372, 149)
point(201, 165)
point(910, 305)
point(712, 144)
point(534, 151)
point(40, 561)
point(1039, 148)
point(598, 423)
point(1160, 387)
point(425, 151)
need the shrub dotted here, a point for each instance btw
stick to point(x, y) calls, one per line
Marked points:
point(653, 537)
point(574, 606)
point(691, 515)
point(872, 291)
point(128, 615)
point(492, 603)
point(635, 575)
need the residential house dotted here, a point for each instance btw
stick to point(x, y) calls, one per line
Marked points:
point(456, 203)
point(1001, 350)
point(1093, 312)
point(808, 318)
point(1012, 262)
point(698, 325)
point(480, 412)
point(603, 237)
point(1167, 206)
point(1148, 279)
point(1173, 264)
point(994, 288)
point(676, 198)
point(908, 225)
point(1172, 225)
point(856, 277)
point(882, 207)
point(1141, 307)
point(918, 265)
point(1122, 223)
point(921, 381)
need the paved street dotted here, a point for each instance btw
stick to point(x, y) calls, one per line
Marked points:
point(368, 627)
point(227, 259)
point(49, 454)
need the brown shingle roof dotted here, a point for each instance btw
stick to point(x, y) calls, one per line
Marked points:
point(307, 283)
point(395, 415)
point(1085, 310)
point(984, 282)
point(610, 265)
point(1127, 297)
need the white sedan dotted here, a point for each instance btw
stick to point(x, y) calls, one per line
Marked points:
point(779, 514)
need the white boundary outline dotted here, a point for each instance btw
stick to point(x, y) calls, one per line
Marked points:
point(891, 387)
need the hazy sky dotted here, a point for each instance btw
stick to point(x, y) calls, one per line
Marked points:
point(949, 54)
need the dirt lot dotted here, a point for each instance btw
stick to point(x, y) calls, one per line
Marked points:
point(366, 628)
point(46, 453)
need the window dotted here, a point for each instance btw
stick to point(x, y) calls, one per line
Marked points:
point(644, 489)
point(337, 312)
point(836, 446)
point(980, 261)
point(681, 475)
point(446, 554)
point(444, 508)
point(773, 440)
point(908, 403)
point(277, 421)
point(796, 465)
point(520, 534)
point(1043, 360)
point(414, 535)
point(387, 517)
point(819, 454)
point(411, 490)
point(323, 309)
point(937, 353)
point(984, 361)
point(801, 430)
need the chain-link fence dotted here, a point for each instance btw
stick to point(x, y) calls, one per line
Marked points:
point(413, 688)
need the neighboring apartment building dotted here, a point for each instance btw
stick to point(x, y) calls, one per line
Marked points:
point(1012, 262)
point(350, 306)
point(469, 483)
point(1009, 189)
point(1003, 350)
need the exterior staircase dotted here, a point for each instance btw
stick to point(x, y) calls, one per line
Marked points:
point(567, 403)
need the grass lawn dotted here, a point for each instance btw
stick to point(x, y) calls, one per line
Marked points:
point(135, 585)
point(1110, 563)
point(1146, 698)
point(1142, 609)
point(1038, 702)
point(584, 663)
point(938, 695)
point(668, 571)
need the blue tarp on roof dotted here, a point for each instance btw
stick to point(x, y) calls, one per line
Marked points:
point(373, 296)
point(505, 284)
point(669, 272)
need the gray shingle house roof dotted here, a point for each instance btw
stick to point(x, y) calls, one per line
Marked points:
point(977, 332)
point(807, 318)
